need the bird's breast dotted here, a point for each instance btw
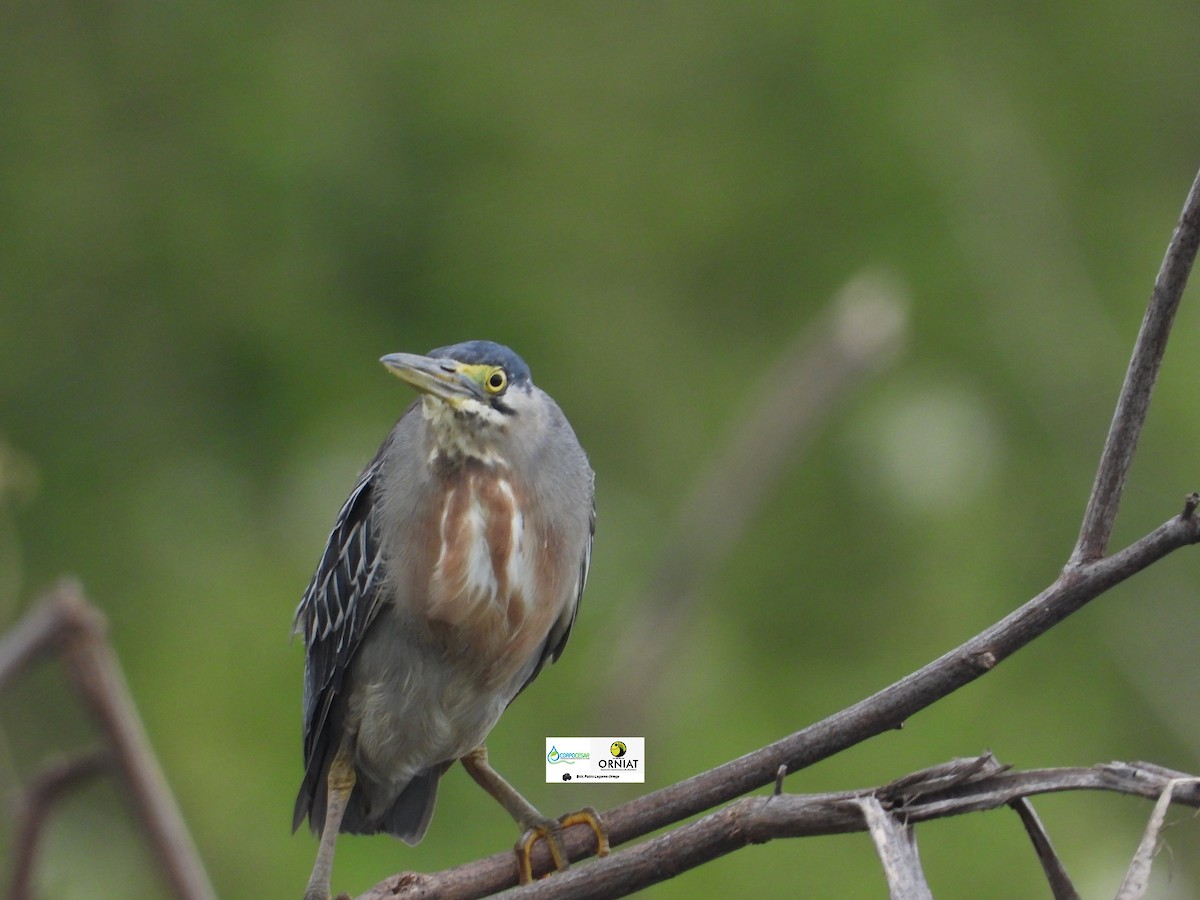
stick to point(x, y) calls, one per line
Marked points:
point(486, 596)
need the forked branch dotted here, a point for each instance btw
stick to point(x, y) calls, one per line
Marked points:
point(64, 623)
point(1087, 575)
point(1134, 400)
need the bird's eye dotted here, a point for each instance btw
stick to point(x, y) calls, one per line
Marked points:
point(496, 381)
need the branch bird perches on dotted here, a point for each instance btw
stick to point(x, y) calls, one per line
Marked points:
point(1087, 574)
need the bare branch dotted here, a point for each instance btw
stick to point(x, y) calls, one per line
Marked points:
point(1087, 575)
point(858, 336)
point(889, 708)
point(1137, 879)
point(34, 635)
point(935, 779)
point(1056, 874)
point(896, 844)
point(884, 711)
point(44, 791)
point(756, 820)
point(1134, 400)
point(64, 621)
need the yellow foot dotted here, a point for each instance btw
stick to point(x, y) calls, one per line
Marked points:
point(550, 831)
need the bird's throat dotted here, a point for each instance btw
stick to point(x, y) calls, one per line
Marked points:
point(462, 430)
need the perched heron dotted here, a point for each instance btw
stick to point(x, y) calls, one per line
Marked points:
point(452, 576)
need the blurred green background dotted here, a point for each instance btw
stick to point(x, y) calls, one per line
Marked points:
point(215, 218)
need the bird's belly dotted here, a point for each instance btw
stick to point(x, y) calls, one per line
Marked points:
point(418, 714)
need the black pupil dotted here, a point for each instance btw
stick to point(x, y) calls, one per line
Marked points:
point(496, 380)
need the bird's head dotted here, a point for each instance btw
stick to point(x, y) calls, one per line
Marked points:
point(472, 394)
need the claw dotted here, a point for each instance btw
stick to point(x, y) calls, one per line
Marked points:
point(550, 831)
point(589, 817)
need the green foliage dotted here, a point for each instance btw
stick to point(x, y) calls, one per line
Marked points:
point(216, 219)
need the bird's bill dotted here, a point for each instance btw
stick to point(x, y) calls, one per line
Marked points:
point(439, 377)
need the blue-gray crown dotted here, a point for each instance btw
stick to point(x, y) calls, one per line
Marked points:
point(487, 353)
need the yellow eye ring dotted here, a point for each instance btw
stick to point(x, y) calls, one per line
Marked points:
point(496, 382)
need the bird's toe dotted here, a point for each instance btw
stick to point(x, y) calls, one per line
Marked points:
point(551, 831)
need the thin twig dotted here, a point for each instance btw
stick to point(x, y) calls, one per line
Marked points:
point(1134, 400)
point(856, 337)
point(1137, 879)
point(33, 636)
point(941, 778)
point(780, 774)
point(43, 792)
point(64, 621)
point(1056, 873)
point(896, 843)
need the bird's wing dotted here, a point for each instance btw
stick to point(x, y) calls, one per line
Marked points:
point(561, 630)
point(341, 601)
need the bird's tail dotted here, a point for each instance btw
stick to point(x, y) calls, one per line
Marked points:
point(408, 816)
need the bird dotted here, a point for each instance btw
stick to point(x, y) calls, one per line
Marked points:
point(451, 578)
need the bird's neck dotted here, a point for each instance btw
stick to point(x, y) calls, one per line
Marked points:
point(463, 432)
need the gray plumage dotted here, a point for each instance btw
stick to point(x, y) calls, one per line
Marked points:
point(452, 576)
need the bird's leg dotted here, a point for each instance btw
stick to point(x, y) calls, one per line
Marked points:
point(526, 815)
point(340, 782)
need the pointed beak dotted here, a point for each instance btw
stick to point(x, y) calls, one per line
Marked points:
point(442, 378)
